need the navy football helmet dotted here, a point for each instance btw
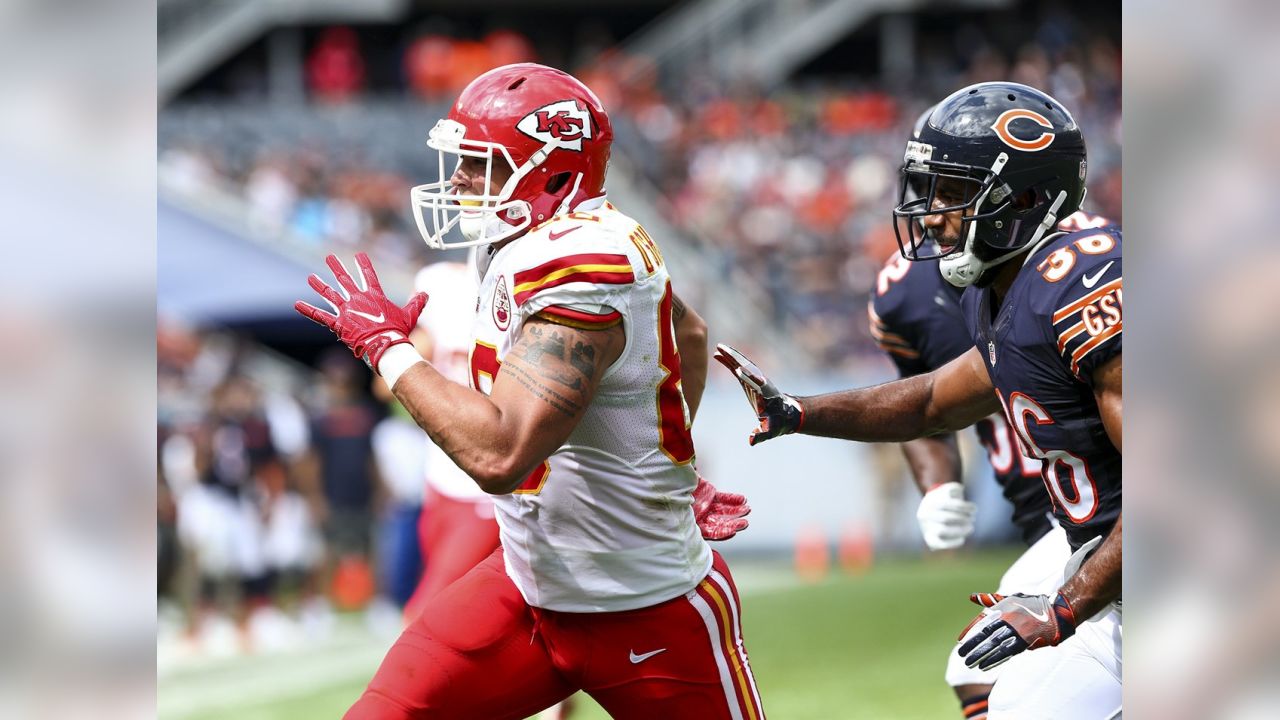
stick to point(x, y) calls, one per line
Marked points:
point(1009, 157)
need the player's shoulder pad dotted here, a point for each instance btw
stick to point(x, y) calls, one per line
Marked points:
point(1081, 220)
point(1078, 288)
point(580, 260)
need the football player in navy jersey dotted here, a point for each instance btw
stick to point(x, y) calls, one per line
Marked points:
point(915, 318)
point(994, 170)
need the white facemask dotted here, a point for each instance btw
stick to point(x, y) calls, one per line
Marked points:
point(437, 208)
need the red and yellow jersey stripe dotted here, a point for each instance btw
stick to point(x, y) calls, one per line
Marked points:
point(579, 319)
point(598, 268)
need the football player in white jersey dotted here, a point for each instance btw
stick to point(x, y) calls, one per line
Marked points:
point(580, 431)
point(457, 528)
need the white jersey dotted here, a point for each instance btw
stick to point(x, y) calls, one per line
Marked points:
point(606, 523)
point(450, 313)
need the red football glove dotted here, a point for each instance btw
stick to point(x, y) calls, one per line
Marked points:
point(720, 515)
point(363, 318)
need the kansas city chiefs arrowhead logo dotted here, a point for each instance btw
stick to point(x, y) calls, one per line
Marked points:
point(501, 304)
point(564, 123)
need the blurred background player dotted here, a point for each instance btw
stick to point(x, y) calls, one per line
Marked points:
point(580, 431)
point(995, 166)
point(457, 529)
point(400, 452)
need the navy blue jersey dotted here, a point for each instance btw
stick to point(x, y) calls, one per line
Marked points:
point(1060, 321)
point(916, 319)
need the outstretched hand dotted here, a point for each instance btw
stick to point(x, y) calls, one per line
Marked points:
point(778, 412)
point(363, 318)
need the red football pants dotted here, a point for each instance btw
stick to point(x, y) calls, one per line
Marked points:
point(479, 652)
point(455, 536)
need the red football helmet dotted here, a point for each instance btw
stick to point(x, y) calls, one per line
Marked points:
point(546, 125)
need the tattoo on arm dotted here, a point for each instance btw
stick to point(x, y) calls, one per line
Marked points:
point(541, 367)
point(545, 343)
point(544, 391)
point(583, 358)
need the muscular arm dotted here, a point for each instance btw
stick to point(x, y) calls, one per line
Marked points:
point(952, 397)
point(691, 339)
point(1097, 582)
point(546, 382)
point(933, 460)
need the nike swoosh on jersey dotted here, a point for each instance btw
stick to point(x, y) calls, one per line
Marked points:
point(1091, 280)
point(641, 658)
point(375, 318)
point(562, 233)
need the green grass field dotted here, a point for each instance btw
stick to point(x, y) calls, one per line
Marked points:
point(849, 647)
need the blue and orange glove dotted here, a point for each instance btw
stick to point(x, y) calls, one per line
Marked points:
point(363, 318)
point(720, 515)
point(1012, 624)
point(778, 412)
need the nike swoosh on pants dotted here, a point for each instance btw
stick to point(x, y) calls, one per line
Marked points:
point(641, 658)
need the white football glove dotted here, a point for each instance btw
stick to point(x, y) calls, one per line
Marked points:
point(946, 518)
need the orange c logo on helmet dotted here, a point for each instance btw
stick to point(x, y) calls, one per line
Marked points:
point(1001, 126)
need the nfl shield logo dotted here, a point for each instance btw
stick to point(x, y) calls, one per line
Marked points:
point(991, 352)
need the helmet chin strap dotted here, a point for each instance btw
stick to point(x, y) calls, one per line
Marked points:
point(489, 227)
point(964, 268)
point(1050, 221)
point(566, 204)
point(483, 225)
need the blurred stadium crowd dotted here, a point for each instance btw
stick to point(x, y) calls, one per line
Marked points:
point(283, 493)
point(286, 490)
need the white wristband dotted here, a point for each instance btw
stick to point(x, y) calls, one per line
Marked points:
point(396, 360)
